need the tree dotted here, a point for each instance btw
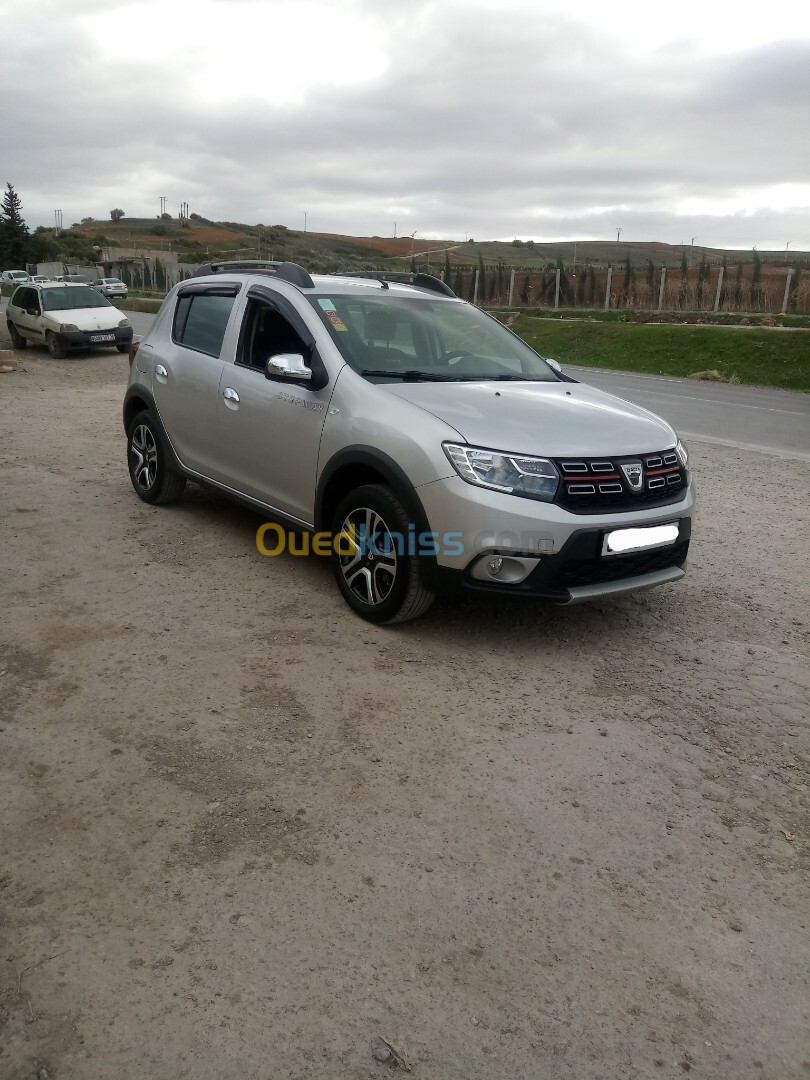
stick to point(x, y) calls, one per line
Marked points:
point(116, 215)
point(581, 282)
point(565, 288)
point(526, 291)
point(794, 288)
point(703, 280)
point(650, 277)
point(738, 285)
point(724, 286)
point(629, 280)
point(482, 280)
point(591, 285)
point(15, 240)
point(447, 267)
point(684, 267)
point(756, 281)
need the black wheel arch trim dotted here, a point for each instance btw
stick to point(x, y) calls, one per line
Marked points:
point(394, 475)
point(144, 395)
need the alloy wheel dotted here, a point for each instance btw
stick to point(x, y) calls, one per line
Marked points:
point(143, 452)
point(370, 568)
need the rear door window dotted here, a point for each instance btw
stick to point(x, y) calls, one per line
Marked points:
point(200, 321)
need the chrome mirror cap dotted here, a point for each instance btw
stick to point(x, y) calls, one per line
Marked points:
point(287, 366)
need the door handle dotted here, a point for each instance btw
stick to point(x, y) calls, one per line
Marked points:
point(230, 395)
point(161, 371)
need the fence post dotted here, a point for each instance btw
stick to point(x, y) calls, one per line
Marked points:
point(662, 288)
point(787, 292)
point(511, 288)
point(719, 289)
point(475, 288)
point(607, 287)
point(557, 290)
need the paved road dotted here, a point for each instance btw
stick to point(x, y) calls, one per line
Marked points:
point(755, 418)
point(773, 421)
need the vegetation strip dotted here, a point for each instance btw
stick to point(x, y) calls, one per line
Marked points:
point(757, 357)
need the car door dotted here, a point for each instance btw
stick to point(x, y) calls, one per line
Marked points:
point(187, 368)
point(25, 312)
point(272, 426)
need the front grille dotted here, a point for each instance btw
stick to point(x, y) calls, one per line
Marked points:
point(575, 572)
point(596, 485)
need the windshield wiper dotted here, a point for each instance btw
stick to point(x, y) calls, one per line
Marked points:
point(409, 376)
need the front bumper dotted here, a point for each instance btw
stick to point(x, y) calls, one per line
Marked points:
point(83, 339)
point(548, 552)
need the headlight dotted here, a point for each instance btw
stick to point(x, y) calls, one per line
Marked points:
point(68, 328)
point(124, 322)
point(515, 474)
point(680, 450)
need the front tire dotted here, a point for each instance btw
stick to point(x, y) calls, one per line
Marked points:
point(55, 347)
point(147, 456)
point(374, 567)
point(17, 340)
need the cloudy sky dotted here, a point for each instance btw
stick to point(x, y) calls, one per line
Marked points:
point(451, 118)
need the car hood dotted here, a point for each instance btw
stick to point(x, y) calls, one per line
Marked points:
point(549, 419)
point(97, 318)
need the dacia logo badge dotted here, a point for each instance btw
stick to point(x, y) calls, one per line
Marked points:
point(633, 474)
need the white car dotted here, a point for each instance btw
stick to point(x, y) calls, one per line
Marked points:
point(65, 316)
point(13, 277)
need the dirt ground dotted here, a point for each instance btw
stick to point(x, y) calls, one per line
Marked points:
point(246, 835)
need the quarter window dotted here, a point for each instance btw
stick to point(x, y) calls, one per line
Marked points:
point(200, 321)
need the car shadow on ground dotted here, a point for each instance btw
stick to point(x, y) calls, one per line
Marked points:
point(506, 620)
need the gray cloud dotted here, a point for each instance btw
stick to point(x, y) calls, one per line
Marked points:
point(491, 120)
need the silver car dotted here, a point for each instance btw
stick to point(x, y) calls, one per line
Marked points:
point(111, 286)
point(425, 446)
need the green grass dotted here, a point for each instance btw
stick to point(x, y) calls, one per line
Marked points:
point(135, 303)
point(631, 315)
point(756, 357)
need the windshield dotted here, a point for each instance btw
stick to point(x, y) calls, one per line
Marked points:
point(393, 337)
point(72, 297)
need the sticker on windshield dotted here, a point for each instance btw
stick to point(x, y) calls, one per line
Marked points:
point(330, 312)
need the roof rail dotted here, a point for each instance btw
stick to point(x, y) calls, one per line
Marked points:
point(421, 281)
point(287, 271)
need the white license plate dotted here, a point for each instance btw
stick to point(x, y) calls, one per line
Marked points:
point(625, 541)
point(102, 337)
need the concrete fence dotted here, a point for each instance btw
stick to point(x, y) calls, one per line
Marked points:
point(776, 290)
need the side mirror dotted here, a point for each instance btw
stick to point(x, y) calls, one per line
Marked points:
point(287, 366)
point(553, 363)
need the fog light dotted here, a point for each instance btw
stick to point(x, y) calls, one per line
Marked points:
point(495, 565)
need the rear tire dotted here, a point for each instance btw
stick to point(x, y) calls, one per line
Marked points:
point(378, 578)
point(17, 340)
point(55, 347)
point(147, 457)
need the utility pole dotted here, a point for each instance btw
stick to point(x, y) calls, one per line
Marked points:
point(57, 217)
point(395, 230)
point(305, 221)
point(162, 204)
point(691, 251)
point(618, 234)
point(787, 245)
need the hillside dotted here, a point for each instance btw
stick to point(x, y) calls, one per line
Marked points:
point(197, 239)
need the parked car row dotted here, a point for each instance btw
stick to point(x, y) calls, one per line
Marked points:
point(109, 286)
